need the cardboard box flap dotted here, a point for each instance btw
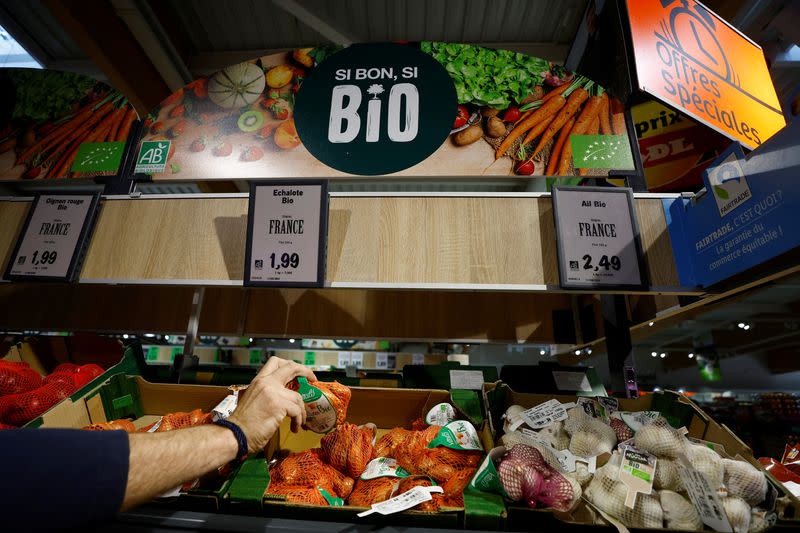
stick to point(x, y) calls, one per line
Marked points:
point(389, 408)
point(250, 482)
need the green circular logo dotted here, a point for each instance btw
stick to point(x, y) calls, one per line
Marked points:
point(375, 108)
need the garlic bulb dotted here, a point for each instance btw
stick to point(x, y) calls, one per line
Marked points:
point(581, 474)
point(660, 439)
point(708, 462)
point(588, 436)
point(744, 480)
point(679, 513)
point(510, 416)
point(556, 436)
point(667, 476)
point(607, 493)
point(738, 513)
point(758, 524)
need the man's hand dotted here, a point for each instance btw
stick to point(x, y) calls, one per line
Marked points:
point(267, 401)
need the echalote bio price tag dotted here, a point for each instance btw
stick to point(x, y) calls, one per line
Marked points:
point(54, 236)
point(286, 234)
point(597, 238)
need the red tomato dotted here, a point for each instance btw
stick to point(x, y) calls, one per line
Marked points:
point(512, 114)
point(462, 116)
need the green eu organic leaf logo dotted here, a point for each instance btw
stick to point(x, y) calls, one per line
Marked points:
point(721, 192)
point(98, 157)
point(601, 151)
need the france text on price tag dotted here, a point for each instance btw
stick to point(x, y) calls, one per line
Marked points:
point(286, 232)
point(357, 359)
point(466, 379)
point(344, 359)
point(598, 238)
point(54, 237)
point(382, 360)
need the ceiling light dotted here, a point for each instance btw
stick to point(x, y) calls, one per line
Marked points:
point(663, 355)
point(149, 335)
point(741, 325)
point(166, 338)
point(577, 352)
point(125, 336)
point(589, 351)
point(291, 340)
point(747, 327)
point(657, 389)
point(651, 324)
point(681, 391)
point(691, 356)
point(542, 352)
point(251, 339)
point(653, 354)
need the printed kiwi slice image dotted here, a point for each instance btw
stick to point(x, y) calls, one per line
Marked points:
point(251, 121)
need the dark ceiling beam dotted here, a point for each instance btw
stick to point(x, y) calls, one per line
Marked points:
point(108, 42)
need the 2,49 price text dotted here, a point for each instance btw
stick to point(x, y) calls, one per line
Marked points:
point(607, 263)
point(285, 260)
point(46, 257)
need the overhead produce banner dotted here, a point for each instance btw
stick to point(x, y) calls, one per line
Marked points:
point(674, 148)
point(426, 109)
point(691, 59)
point(56, 125)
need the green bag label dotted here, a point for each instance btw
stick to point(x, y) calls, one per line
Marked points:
point(384, 467)
point(458, 435)
point(486, 478)
point(332, 500)
point(255, 357)
point(440, 415)
point(122, 401)
point(320, 414)
point(98, 157)
point(152, 353)
point(310, 358)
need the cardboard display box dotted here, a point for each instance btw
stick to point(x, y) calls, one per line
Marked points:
point(123, 396)
point(676, 408)
point(387, 409)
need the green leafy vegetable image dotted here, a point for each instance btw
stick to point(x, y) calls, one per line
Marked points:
point(721, 192)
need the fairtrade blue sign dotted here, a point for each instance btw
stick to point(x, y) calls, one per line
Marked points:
point(749, 214)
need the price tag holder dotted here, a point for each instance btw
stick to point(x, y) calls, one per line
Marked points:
point(382, 361)
point(286, 234)
point(599, 246)
point(54, 238)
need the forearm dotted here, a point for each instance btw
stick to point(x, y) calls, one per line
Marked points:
point(162, 461)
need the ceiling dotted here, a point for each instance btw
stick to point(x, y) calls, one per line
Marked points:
point(184, 38)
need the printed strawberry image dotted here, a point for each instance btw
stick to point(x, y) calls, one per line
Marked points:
point(251, 153)
point(223, 149)
point(198, 145)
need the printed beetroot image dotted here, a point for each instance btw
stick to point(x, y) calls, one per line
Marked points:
point(56, 125)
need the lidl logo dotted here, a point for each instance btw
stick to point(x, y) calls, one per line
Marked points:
point(153, 157)
point(98, 157)
point(728, 184)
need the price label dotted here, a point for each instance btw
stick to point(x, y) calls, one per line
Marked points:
point(54, 237)
point(466, 379)
point(344, 359)
point(598, 238)
point(543, 415)
point(286, 232)
point(357, 359)
point(418, 359)
point(382, 360)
